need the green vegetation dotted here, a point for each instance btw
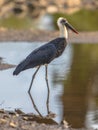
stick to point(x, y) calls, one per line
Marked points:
point(83, 20)
point(15, 22)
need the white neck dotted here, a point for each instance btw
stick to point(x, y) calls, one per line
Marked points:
point(63, 32)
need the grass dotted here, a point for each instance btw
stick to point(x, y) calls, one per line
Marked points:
point(83, 20)
point(15, 22)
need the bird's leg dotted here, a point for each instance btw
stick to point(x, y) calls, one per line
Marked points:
point(34, 104)
point(33, 79)
point(30, 93)
point(46, 77)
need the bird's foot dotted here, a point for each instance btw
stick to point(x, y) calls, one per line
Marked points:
point(51, 115)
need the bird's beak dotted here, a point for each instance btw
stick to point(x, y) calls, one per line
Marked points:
point(70, 27)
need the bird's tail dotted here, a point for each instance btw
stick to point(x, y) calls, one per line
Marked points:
point(19, 68)
point(23, 66)
point(16, 72)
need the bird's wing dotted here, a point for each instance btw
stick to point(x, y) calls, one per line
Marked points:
point(43, 55)
point(40, 56)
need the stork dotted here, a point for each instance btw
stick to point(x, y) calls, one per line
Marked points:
point(46, 53)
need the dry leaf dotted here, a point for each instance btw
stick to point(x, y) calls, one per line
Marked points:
point(3, 121)
point(13, 125)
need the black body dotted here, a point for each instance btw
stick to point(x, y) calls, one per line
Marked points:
point(42, 55)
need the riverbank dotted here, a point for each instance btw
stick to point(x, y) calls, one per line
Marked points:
point(45, 36)
point(32, 9)
point(18, 120)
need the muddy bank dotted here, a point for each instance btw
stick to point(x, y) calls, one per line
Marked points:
point(4, 66)
point(18, 120)
point(39, 35)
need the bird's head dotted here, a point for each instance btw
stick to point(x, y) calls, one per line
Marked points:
point(61, 22)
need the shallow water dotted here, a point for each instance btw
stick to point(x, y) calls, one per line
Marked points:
point(73, 81)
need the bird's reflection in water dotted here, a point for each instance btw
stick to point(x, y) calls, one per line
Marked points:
point(40, 119)
point(34, 105)
point(48, 94)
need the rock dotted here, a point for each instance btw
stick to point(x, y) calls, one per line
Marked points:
point(6, 10)
point(73, 3)
point(43, 3)
point(52, 9)
point(90, 4)
point(13, 125)
point(2, 121)
point(35, 8)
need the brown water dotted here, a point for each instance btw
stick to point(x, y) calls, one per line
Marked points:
point(80, 97)
point(73, 80)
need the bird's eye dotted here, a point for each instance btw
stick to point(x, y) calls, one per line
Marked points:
point(63, 21)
